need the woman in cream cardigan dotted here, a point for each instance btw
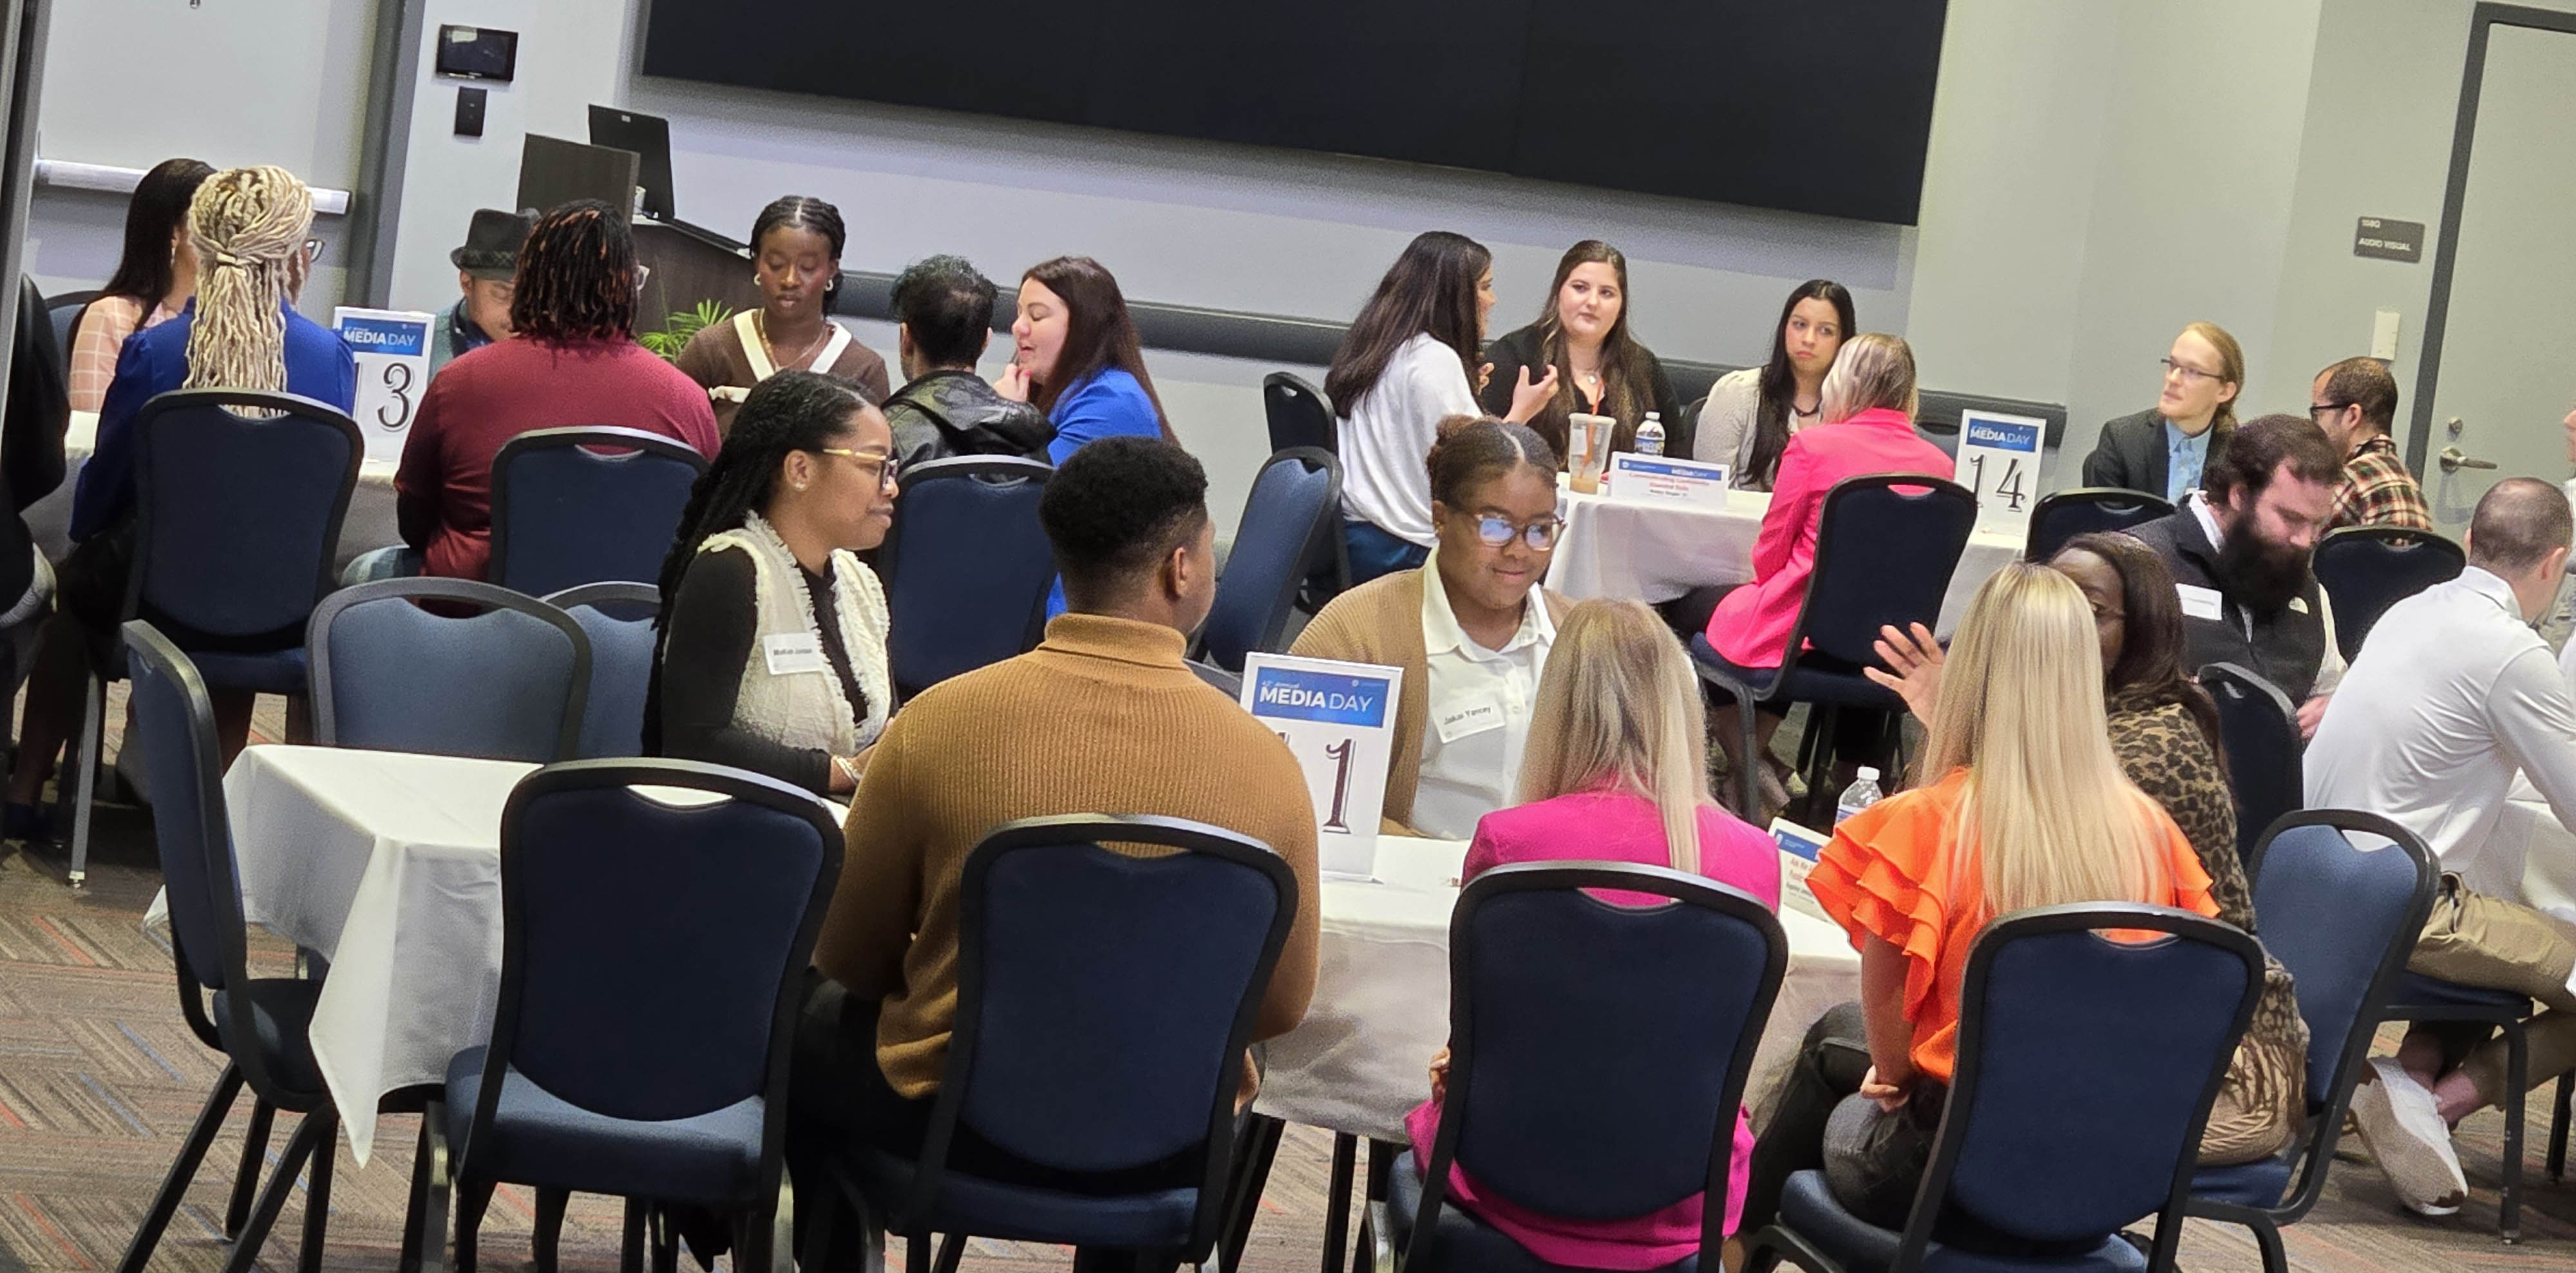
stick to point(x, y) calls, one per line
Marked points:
point(1471, 627)
point(772, 651)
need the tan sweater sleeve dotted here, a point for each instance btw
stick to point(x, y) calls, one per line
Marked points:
point(1291, 832)
point(870, 923)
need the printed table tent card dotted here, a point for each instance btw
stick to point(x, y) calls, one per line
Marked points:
point(392, 349)
point(1799, 847)
point(1663, 479)
point(1339, 720)
point(1999, 459)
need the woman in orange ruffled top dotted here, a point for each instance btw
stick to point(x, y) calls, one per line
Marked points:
point(2020, 803)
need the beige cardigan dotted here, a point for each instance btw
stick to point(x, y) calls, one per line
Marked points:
point(1381, 622)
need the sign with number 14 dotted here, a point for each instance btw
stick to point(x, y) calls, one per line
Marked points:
point(1999, 462)
point(1339, 720)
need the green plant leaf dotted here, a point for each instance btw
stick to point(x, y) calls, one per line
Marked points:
point(681, 326)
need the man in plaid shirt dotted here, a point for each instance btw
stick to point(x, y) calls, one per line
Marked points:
point(2355, 401)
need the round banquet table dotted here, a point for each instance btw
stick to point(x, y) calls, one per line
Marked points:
point(1361, 1060)
point(1656, 552)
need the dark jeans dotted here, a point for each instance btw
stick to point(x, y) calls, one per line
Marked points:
point(838, 1094)
point(1375, 552)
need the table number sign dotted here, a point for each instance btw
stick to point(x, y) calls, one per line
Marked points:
point(1999, 464)
point(392, 348)
point(1339, 720)
point(1799, 847)
point(1664, 479)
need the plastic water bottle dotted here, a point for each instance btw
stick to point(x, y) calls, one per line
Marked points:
point(1650, 435)
point(1860, 795)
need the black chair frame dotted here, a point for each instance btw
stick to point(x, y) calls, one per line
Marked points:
point(451, 1166)
point(599, 596)
point(1690, 890)
point(430, 588)
point(2250, 834)
point(1748, 785)
point(2351, 624)
point(313, 1140)
point(2044, 541)
point(2325, 1121)
point(84, 776)
point(1061, 831)
point(1280, 391)
point(635, 442)
point(1766, 1249)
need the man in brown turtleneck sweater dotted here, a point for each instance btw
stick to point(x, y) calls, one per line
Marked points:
point(1104, 717)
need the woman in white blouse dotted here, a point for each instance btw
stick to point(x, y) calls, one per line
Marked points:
point(1751, 414)
point(1409, 362)
point(1471, 627)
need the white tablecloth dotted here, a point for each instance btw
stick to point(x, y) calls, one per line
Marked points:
point(389, 866)
point(2530, 831)
point(1361, 1061)
point(1656, 552)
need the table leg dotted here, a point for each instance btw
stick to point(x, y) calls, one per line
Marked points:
point(1337, 1201)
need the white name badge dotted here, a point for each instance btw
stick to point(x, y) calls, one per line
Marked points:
point(794, 652)
point(1799, 848)
point(2201, 603)
point(1474, 714)
point(1999, 458)
point(392, 349)
point(1339, 721)
point(1664, 479)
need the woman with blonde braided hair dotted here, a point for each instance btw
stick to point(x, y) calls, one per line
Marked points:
point(248, 228)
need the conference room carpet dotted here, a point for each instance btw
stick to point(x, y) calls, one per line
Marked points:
point(99, 1080)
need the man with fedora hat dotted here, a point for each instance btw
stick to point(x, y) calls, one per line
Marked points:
point(485, 267)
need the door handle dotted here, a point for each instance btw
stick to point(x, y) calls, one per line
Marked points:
point(2453, 460)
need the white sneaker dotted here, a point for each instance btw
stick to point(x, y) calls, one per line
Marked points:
point(2405, 1134)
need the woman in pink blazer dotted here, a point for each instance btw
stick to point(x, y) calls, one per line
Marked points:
point(1615, 770)
point(1868, 405)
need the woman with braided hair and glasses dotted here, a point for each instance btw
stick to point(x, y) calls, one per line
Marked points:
point(248, 228)
point(571, 360)
point(796, 259)
point(772, 649)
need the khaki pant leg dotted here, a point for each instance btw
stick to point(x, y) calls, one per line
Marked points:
point(2485, 941)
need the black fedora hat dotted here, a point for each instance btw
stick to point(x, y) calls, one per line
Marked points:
point(492, 243)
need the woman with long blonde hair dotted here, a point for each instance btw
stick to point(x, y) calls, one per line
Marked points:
point(2021, 802)
point(1615, 770)
point(247, 228)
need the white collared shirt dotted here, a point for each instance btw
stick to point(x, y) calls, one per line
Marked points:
point(1390, 429)
point(1480, 711)
point(2330, 668)
point(2453, 696)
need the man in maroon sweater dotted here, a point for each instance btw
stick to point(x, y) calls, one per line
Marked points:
point(572, 363)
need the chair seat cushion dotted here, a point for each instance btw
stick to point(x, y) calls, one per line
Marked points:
point(1463, 1241)
point(1156, 1221)
point(2253, 1184)
point(1807, 1208)
point(1814, 680)
point(540, 1139)
point(273, 672)
point(2415, 989)
point(281, 1016)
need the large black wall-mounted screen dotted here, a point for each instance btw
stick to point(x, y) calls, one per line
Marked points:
point(1821, 108)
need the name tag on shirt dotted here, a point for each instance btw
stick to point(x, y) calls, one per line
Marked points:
point(794, 652)
point(1459, 718)
point(2201, 603)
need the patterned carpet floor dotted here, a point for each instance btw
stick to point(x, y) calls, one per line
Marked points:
point(99, 1080)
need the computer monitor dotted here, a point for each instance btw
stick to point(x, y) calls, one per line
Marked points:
point(554, 172)
point(649, 136)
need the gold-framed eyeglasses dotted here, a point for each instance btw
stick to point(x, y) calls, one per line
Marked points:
point(884, 464)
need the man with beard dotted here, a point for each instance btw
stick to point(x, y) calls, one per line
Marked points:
point(2453, 699)
point(2239, 547)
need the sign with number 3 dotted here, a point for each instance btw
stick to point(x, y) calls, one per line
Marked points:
point(1339, 721)
point(1999, 459)
point(392, 349)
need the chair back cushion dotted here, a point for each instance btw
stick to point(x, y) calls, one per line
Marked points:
point(565, 513)
point(239, 517)
point(621, 667)
point(2090, 1063)
point(497, 685)
point(174, 724)
point(1298, 413)
point(2260, 728)
point(1104, 991)
point(1272, 551)
point(1884, 552)
point(968, 568)
point(2329, 912)
point(2366, 569)
point(652, 939)
point(1601, 1037)
point(2066, 514)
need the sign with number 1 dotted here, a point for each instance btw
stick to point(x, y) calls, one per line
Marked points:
point(1999, 459)
point(1339, 720)
point(392, 348)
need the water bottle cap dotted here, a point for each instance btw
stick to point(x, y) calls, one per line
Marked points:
point(1656, 416)
point(1868, 774)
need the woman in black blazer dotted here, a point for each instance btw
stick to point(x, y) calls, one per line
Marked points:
point(1601, 369)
